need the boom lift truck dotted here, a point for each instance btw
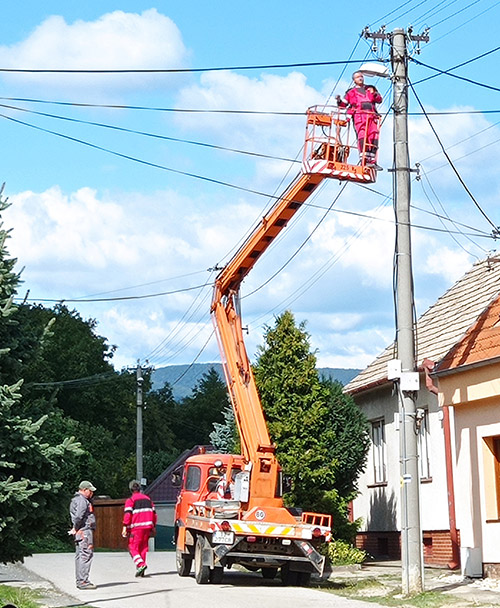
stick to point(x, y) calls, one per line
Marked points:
point(230, 508)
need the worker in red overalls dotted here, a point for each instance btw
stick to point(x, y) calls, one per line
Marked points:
point(360, 101)
point(139, 523)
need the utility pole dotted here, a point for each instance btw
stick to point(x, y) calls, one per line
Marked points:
point(139, 401)
point(404, 368)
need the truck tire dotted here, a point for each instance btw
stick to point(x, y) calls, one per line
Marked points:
point(216, 575)
point(201, 572)
point(288, 577)
point(183, 563)
point(269, 573)
point(303, 579)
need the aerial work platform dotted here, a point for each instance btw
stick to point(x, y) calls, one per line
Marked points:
point(327, 146)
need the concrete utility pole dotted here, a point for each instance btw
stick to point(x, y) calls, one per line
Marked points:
point(139, 464)
point(406, 378)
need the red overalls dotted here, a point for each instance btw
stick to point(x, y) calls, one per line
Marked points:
point(361, 106)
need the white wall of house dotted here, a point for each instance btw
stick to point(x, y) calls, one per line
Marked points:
point(475, 482)
point(378, 503)
point(474, 394)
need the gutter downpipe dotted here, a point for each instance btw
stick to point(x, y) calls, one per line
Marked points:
point(428, 366)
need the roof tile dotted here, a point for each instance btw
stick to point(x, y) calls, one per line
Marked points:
point(445, 323)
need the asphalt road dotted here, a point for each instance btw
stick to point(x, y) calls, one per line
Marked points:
point(113, 573)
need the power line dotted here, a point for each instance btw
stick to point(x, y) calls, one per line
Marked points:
point(447, 218)
point(460, 179)
point(150, 108)
point(455, 67)
point(463, 78)
point(132, 158)
point(144, 133)
point(118, 299)
point(174, 70)
point(214, 111)
point(455, 13)
point(467, 22)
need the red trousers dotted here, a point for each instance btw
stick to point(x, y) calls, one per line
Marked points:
point(138, 545)
point(367, 128)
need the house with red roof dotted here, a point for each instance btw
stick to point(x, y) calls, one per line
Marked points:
point(458, 428)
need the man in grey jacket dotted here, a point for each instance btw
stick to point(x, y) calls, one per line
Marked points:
point(83, 520)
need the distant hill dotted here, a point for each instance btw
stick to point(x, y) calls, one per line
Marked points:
point(183, 378)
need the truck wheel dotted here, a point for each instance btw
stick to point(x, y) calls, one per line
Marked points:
point(216, 575)
point(303, 579)
point(288, 577)
point(269, 573)
point(183, 563)
point(201, 572)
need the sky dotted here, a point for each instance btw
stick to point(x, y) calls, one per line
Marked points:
point(124, 203)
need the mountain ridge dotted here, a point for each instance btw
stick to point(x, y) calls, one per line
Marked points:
point(183, 378)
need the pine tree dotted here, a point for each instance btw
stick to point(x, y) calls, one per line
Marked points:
point(224, 437)
point(28, 465)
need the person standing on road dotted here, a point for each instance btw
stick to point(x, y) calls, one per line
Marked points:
point(139, 523)
point(82, 516)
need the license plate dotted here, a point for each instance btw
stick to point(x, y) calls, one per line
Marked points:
point(223, 538)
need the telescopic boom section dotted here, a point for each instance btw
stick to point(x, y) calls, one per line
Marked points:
point(322, 140)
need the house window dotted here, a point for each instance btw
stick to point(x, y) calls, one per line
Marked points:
point(378, 448)
point(424, 445)
point(491, 464)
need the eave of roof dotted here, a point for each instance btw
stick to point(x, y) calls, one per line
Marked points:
point(444, 324)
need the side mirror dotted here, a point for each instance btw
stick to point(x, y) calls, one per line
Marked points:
point(176, 479)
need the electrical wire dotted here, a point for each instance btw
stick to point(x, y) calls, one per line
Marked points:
point(432, 12)
point(194, 360)
point(455, 13)
point(303, 244)
point(132, 158)
point(406, 12)
point(180, 276)
point(216, 111)
point(467, 22)
point(460, 179)
point(403, 4)
point(118, 299)
point(174, 70)
point(447, 217)
point(144, 133)
point(448, 71)
point(150, 108)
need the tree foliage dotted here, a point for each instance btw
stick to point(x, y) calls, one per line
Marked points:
point(305, 417)
point(194, 417)
point(224, 438)
point(29, 481)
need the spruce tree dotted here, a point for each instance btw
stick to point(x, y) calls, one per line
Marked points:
point(28, 465)
point(321, 436)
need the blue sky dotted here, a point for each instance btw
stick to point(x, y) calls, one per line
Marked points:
point(89, 223)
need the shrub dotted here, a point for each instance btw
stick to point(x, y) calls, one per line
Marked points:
point(340, 553)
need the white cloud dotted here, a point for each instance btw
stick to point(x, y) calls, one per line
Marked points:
point(227, 90)
point(361, 245)
point(116, 40)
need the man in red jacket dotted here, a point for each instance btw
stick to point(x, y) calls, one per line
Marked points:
point(139, 522)
point(360, 101)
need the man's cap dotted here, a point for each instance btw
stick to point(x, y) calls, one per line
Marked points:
point(86, 485)
point(134, 485)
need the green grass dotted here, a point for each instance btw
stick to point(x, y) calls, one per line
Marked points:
point(22, 598)
point(373, 590)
